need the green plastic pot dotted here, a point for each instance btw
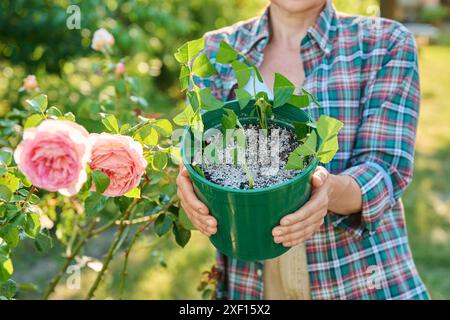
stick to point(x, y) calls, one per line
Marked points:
point(246, 217)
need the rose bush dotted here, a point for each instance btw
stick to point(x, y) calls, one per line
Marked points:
point(58, 182)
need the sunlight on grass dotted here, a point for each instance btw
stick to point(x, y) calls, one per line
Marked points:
point(427, 200)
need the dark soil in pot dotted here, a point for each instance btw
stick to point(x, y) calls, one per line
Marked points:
point(266, 157)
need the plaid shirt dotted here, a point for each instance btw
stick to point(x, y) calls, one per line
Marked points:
point(363, 72)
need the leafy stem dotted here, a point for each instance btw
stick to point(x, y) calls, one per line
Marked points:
point(109, 255)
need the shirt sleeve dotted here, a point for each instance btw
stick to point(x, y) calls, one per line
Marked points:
point(383, 155)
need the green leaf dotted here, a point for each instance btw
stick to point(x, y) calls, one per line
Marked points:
point(229, 119)
point(282, 90)
point(181, 234)
point(159, 161)
point(193, 98)
point(134, 193)
point(255, 69)
point(5, 193)
point(184, 220)
point(10, 234)
point(164, 127)
point(243, 72)
point(243, 97)
point(4, 248)
point(11, 181)
point(197, 123)
point(147, 135)
point(328, 129)
point(101, 181)
point(39, 103)
point(202, 67)
point(195, 46)
point(184, 117)
point(295, 162)
point(309, 147)
point(6, 268)
point(33, 121)
point(209, 102)
point(226, 53)
point(94, 203)
point(32, 225)
point(5, 158)
point(207, 294)
point(68, 116)
point(110, 122)
point(182, 54)
point(299, 101)
point(184, 77)
point(8, 289)
point(123, 203)
point(43, 242)
point(53, 112)
point(163, 224)
point(189, 50)
point(301, 129)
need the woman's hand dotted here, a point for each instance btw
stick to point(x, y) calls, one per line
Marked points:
point(197, 212)
point(301, 225)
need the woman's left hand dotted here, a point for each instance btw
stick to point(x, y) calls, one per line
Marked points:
point(301, 225)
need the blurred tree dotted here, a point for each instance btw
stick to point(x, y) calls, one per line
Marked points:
point(389, 8)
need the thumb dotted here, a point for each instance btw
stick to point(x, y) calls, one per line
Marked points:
point(319, 177)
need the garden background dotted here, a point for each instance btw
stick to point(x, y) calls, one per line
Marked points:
point(34, 39)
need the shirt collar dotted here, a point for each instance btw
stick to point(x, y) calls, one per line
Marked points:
point(321, 32)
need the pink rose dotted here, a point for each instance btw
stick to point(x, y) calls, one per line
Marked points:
point(102, 40)
point(119, 157)
point(120, 69)
point(54, 155)
point(30, 83)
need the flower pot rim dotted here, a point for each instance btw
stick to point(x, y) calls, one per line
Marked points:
point(218, 187)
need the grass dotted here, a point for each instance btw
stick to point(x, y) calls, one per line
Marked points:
point(427, 200)
point(427, 203)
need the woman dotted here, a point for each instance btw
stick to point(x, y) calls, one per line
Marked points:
point(363, 71)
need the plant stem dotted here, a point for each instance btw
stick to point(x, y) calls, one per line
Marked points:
point(32, 190)
point(127, 254)
point(69, 259)
point(149, 220)
point(109, 255)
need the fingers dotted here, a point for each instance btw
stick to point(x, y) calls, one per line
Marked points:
point(315, 219)
point(185, 187)
point(300, 231)
point(196, 211)
point(300, 237)
point(317, 203)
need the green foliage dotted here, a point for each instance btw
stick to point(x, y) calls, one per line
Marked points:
point(38, 104)
point(94, 203)
point(283, 90)
point(327, 129)
point(101, 181)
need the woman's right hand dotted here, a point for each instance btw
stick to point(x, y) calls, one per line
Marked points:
point(196, 211)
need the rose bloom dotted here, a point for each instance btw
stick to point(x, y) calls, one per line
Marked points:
point(120, 158)
point(102, 40)
point(30, 83)
point(54, 155)
point(120, 69)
